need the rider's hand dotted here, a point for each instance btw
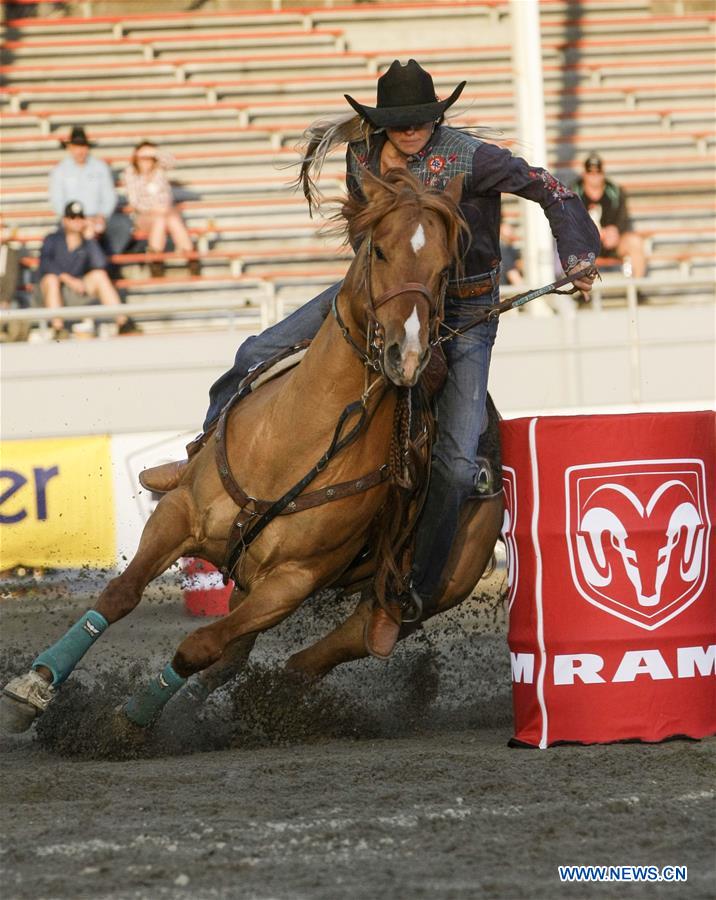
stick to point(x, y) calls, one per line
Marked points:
point(584, 284)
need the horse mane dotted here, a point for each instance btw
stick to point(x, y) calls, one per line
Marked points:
point(401, 190)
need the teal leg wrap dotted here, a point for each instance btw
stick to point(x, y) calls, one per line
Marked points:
point(62, 657)
point(151, 699)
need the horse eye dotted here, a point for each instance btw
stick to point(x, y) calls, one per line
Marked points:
point(379, 253)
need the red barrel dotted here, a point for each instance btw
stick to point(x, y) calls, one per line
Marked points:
point(205, 593)
point(612, 591)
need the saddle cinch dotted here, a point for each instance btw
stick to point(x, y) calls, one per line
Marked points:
point(387, 618)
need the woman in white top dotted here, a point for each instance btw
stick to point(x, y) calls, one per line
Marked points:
point(152, 202)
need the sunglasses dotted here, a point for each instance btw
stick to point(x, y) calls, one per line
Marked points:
point(75, 216)
point(415, 126)
point(593, 167)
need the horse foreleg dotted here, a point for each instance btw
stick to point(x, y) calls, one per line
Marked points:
point(231, 662)
point(165, 538)
point(265, 605)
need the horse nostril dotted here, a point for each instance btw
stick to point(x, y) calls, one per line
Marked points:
point(393, 356)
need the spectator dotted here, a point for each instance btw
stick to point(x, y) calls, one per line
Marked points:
point(88, 180)
point(12, 283)
point(511, 255)
point(150, 196)
point(607, 206)
point(73, 271)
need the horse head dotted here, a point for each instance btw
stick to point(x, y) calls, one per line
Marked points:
point(410, 238)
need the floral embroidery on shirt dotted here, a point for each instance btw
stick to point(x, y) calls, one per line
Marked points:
point(573, 259)
point(556, 188)
point(436, 164)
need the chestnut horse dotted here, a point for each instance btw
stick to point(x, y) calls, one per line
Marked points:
point(393, 290)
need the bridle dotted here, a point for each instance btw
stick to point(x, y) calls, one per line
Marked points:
point(372, 356)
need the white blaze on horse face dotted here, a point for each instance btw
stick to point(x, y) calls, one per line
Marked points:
point(412, 333)
point(417, 241)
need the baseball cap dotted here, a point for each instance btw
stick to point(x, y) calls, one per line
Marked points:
point(74, 210)
point(593, 161)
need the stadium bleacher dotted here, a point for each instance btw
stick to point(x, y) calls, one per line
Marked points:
point(230, 92)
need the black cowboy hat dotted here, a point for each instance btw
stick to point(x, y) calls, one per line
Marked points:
point(405, 96)
point(77, 136)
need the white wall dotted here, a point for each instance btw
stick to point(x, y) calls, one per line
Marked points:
point(160, 383)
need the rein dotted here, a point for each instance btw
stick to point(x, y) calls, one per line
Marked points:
point(493, 312)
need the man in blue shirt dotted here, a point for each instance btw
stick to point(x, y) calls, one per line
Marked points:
point(82, 177)
point(73, 271)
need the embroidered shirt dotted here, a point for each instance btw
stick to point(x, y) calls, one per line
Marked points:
point(91, 184)
point(57, 259)
point(489, 172)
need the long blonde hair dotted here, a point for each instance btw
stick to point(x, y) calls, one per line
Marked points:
point(319, 139)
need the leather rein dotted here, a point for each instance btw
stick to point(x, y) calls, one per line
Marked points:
point(254, 514)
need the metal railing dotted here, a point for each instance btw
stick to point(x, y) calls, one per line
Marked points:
point(268, 308)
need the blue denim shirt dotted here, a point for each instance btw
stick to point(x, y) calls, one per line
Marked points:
point(92, 184)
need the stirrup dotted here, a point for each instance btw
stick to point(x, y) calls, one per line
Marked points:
point(411, 605)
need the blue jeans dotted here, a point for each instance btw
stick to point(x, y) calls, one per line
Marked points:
point(460, 410)
point(461, 420)
point(303, 324)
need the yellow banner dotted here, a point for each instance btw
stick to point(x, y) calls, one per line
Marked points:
point(57, 503)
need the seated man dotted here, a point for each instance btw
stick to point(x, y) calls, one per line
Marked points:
point(83, 177)
point(73, 271)
point(606, 203)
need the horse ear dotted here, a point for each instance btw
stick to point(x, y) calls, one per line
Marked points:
point(371, 186)
point(454, 187)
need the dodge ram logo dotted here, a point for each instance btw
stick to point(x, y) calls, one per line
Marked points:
point(638, 534)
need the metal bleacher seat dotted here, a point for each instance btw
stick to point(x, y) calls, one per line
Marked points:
point(229, 93)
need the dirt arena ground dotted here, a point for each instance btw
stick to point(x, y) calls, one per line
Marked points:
point(389, 780)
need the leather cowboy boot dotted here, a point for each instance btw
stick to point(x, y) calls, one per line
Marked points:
point(382, 629)
point(164, 478)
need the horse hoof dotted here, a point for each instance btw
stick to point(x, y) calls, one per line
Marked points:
point(15, 716)
point(127, 732)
